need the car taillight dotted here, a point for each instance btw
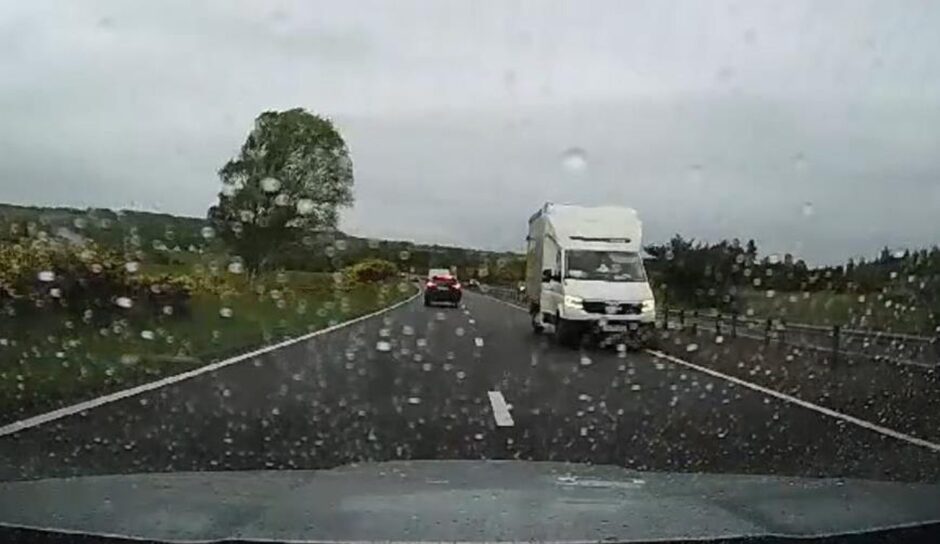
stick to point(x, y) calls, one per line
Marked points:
point(429, 285)
point(456, 286)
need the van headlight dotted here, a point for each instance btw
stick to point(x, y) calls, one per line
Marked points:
point(649, 305)
point(574, 302)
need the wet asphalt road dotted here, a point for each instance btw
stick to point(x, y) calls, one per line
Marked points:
point(416, 383)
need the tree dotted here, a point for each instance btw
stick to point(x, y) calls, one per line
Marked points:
point(292, 175)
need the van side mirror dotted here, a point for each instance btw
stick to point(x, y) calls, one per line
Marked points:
point(546, 275)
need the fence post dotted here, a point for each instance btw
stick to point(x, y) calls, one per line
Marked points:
point(718, 324)
point(835, 344)
point(665, 318)
point(782, 338)
point(695, 322)
point(734, 324)
point(767, 327)
point(682, 319)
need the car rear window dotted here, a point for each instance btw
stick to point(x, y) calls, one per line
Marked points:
point(444, 280)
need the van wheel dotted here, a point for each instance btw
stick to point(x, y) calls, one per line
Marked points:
point(566, 333)
point(537, 324)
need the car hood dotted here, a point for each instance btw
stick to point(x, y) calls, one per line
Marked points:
point(467, 501)
point(620, 291)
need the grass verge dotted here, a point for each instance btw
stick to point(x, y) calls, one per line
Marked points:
point(54, 359)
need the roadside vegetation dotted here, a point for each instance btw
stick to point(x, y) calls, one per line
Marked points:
point(96, 301)
point(897, 291)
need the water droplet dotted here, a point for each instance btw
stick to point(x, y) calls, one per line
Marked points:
point(46, 276)
point(691, 347)
point(478, 342)
point(305, 206)
point(147, 335)
point(696, 175)
point(414, 400)
point(799, 163)
point(807, 209)
point(55, 292)
point(282, 200)
point(126, 359)
point(124, 302)
point(478, 436)
point(236, 267)
point(208, 233)
point(382, 345)
point(270, 185)
point(407, 330)
point(404, 255)
point(459, 331)
point(719, 339)
point(574, 159)
point(132, 266)
point(225, 312)
point(635, 387)
point(586, 361)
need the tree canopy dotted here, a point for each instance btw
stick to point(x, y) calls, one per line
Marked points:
point(290, 179)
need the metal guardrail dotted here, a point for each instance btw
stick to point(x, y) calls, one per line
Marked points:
point(901, 348)
point(898, 347)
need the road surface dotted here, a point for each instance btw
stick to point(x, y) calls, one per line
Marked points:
point(457, 383)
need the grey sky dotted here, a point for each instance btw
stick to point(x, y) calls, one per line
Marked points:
point(714, 119)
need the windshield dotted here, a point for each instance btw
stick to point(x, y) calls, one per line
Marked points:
point(604, 265)
point(332, 240)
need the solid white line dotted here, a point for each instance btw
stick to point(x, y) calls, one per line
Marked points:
point(500, 409)
point(35, 421)
point(799, 402)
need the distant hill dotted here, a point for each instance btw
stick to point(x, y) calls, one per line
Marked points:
point(165, 238)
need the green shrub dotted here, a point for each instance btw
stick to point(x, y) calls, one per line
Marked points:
point(370, 271)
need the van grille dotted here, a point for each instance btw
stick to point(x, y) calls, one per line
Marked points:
point(601, 307)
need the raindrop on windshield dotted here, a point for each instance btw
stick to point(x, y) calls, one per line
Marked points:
point(270, 185)
point(574, 159)
point(305, 206)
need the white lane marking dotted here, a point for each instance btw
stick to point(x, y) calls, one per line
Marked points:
point(35, 421)
point(500, 409)
point(799, 402)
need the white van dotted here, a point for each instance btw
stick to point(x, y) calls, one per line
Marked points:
point(585, 274)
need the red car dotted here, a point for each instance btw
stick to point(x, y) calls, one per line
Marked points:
point(442, 289)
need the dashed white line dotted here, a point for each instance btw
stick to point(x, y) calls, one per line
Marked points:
point(805, 404)
point(500, 409)
point(35, 421)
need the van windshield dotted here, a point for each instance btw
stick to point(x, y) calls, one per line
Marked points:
point(604, 265)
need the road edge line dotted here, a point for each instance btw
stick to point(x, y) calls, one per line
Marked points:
point(800, 402)
point(59, 413)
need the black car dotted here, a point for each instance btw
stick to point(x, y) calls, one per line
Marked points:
point(442, 289)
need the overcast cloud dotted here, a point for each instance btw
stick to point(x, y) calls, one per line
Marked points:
point(812, 127)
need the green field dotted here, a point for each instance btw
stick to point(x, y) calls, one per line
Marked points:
point(53, 359)
point(828, 308)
